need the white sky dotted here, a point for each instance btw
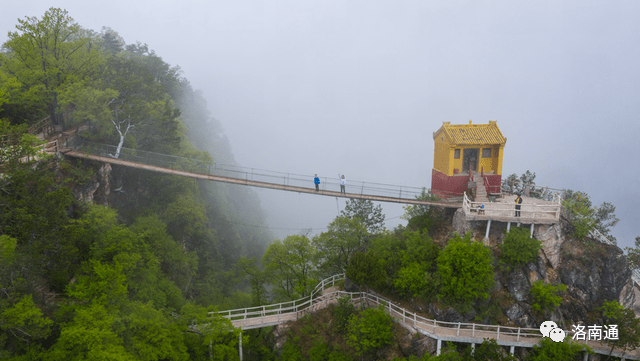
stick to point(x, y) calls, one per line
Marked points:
point(359, 87)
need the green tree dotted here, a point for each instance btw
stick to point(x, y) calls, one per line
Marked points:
point(342, 239)
point(363, 209)
point(488, 350)
point(364, 268)
point(546, 297)
point(519, 248)
point(578, 209)
point(290, 266)
point(584, 216)
point(342, 312)
point(605, 219)
point(412, 281)
point(370, 332)
point(548, 350)
point(625, 322)
point(47, 56)
point(21, 322)
point(257, 279)
point(465, 270)
point(522, 184)
point(422, 216)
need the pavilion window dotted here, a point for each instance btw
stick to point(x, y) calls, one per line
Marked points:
point(456, 154)
point(486, 152)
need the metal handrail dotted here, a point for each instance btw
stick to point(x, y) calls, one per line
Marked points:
point(244, 173)
point(524, 337)
point(535, 211)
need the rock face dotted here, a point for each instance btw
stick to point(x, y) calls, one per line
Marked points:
point(592, 271)
point(552, 240)
point(98, 189)
point(518, 285)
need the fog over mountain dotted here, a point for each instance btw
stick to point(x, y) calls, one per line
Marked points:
point(359, 87)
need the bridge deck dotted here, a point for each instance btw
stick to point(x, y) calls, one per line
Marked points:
point(252, 183)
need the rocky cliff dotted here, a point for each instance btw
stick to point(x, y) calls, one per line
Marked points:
point(592, 271)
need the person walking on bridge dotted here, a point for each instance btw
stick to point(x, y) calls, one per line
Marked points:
point(518, 203)
point(316, 181)
point(343, 183)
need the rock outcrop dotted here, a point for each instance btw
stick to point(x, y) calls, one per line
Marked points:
point(592, 271)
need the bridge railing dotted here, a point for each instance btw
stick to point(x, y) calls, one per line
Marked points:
point(245, 173)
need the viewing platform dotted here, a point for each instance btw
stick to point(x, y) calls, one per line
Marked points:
point(533, 210)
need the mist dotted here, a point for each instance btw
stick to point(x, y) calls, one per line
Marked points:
point(359, 88)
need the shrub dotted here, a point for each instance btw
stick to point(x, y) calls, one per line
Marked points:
point(518, 248)
point(465, 270)
point(366, 269)
point(546, 296)
point(370, 332)
point(342, 311)
point(549, 350)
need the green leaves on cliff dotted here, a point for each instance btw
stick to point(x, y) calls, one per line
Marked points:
point(518, 247)
point(546, 297)
point(465, 269)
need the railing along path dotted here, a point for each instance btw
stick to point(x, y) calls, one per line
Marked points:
point(275, 314)
point(500, 211)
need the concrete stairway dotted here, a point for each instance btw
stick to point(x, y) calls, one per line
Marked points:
point(481, 190)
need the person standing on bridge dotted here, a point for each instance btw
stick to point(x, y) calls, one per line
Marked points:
point(343, 183)
point(518, 203)
point(316, 181)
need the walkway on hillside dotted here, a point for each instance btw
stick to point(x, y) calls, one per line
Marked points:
point(271, 315)
point(201, 169)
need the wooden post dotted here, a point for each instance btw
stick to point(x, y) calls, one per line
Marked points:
point(531, 230)
point(498, 337)
point(439, 346)
point(512, 350)
point(518, 338)
point(473, 330)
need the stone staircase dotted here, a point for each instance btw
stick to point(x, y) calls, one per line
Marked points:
point(481, 190)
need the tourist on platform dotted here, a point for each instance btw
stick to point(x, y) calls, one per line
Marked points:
point(316, 181)
point(343, 183)
point(518, 203)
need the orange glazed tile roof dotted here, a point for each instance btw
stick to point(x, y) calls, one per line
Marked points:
point(472, 134)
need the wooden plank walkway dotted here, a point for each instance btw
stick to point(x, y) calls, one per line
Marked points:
point(271, 315)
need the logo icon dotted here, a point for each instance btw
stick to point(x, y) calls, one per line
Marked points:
point(550, 329)
point(556, 335)
point(546, 327)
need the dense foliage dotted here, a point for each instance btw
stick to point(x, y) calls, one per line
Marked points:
point(546, 297)
point(466, 270)
point(134, 277)
point(518, 247)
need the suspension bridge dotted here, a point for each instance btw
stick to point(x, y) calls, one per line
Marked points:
point(202, 169)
